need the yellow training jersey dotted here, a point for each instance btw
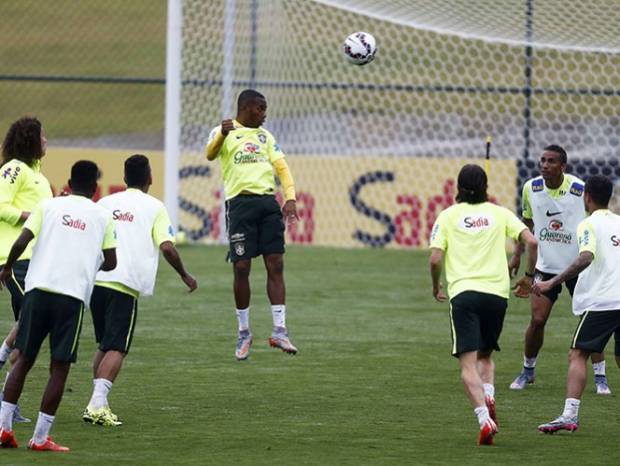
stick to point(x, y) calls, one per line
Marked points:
point(22, 188)
point(473, 238)
point(246, 157)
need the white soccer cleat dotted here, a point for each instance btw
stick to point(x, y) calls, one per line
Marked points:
point(243, 345)
point(279, 339)
point(602, 388)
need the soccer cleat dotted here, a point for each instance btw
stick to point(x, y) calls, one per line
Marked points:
point(490, 402)
point(570, 424)
point(48, 445)
point(243, 345)
point(279, 339)
point(601, 385)
point(7, 439)
point(521, 381)
point(101, 417)
point(17, 416)
point(487, 431)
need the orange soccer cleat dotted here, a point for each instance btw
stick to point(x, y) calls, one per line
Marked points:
point(48, 445)
point(7, 439)
point(487, 431)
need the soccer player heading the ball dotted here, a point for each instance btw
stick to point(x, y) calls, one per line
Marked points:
point(552, 208)
point(143, 229)
point(75, 238)
point(472, 236)
point(597, 294)
point(248, 156)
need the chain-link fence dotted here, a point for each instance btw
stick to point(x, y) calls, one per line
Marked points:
point(92, 71)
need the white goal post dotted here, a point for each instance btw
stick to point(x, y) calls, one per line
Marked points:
point(375, 149)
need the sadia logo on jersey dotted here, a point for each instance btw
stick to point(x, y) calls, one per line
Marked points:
point(615, 241)
point(122, 216)
point(554, 233)
point(76, 223)
point(475, 222)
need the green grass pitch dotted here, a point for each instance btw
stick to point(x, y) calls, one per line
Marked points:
point(373, 383)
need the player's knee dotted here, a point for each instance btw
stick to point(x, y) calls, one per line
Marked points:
point(578, 355)
point(275, 265)
point(538, 321)
point(242, 269)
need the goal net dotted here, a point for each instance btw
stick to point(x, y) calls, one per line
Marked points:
point(375, 149)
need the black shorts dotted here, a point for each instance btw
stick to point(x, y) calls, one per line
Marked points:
point(595, 329)
point(16, 286)
point(476, 321)
point(554, 292)
point(114, 318)
point(55, 314)
point(255, 226)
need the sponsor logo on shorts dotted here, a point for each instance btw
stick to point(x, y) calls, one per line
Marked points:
point(240, 249)
point(237, 237)
point(122, 216)
point(76, 223)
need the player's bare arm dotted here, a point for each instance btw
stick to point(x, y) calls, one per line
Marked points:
point(109, 260)
point(18, 248)
point(435, 264)
point(582, 262)
point(289, 211)
point(515, 261)
point(523, 286)
point(172, 257)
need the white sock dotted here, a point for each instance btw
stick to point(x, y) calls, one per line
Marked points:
point(6, 415)
point(5, 351)
point(42, 429)
point(243, 316)
point(100, 393)
point(483, 414)
point(278, 311)
point(489, 390)
point(599, 368)
point(530, 363)
point(571, 407)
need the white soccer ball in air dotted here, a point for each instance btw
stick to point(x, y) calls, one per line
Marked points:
point(360, 48)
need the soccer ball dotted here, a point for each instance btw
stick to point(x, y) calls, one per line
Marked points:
point(360, 48)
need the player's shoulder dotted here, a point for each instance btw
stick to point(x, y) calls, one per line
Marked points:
point(265, 135)
point(534, 185)
point(14, 169)
point(576, 186)
point(110, 198)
